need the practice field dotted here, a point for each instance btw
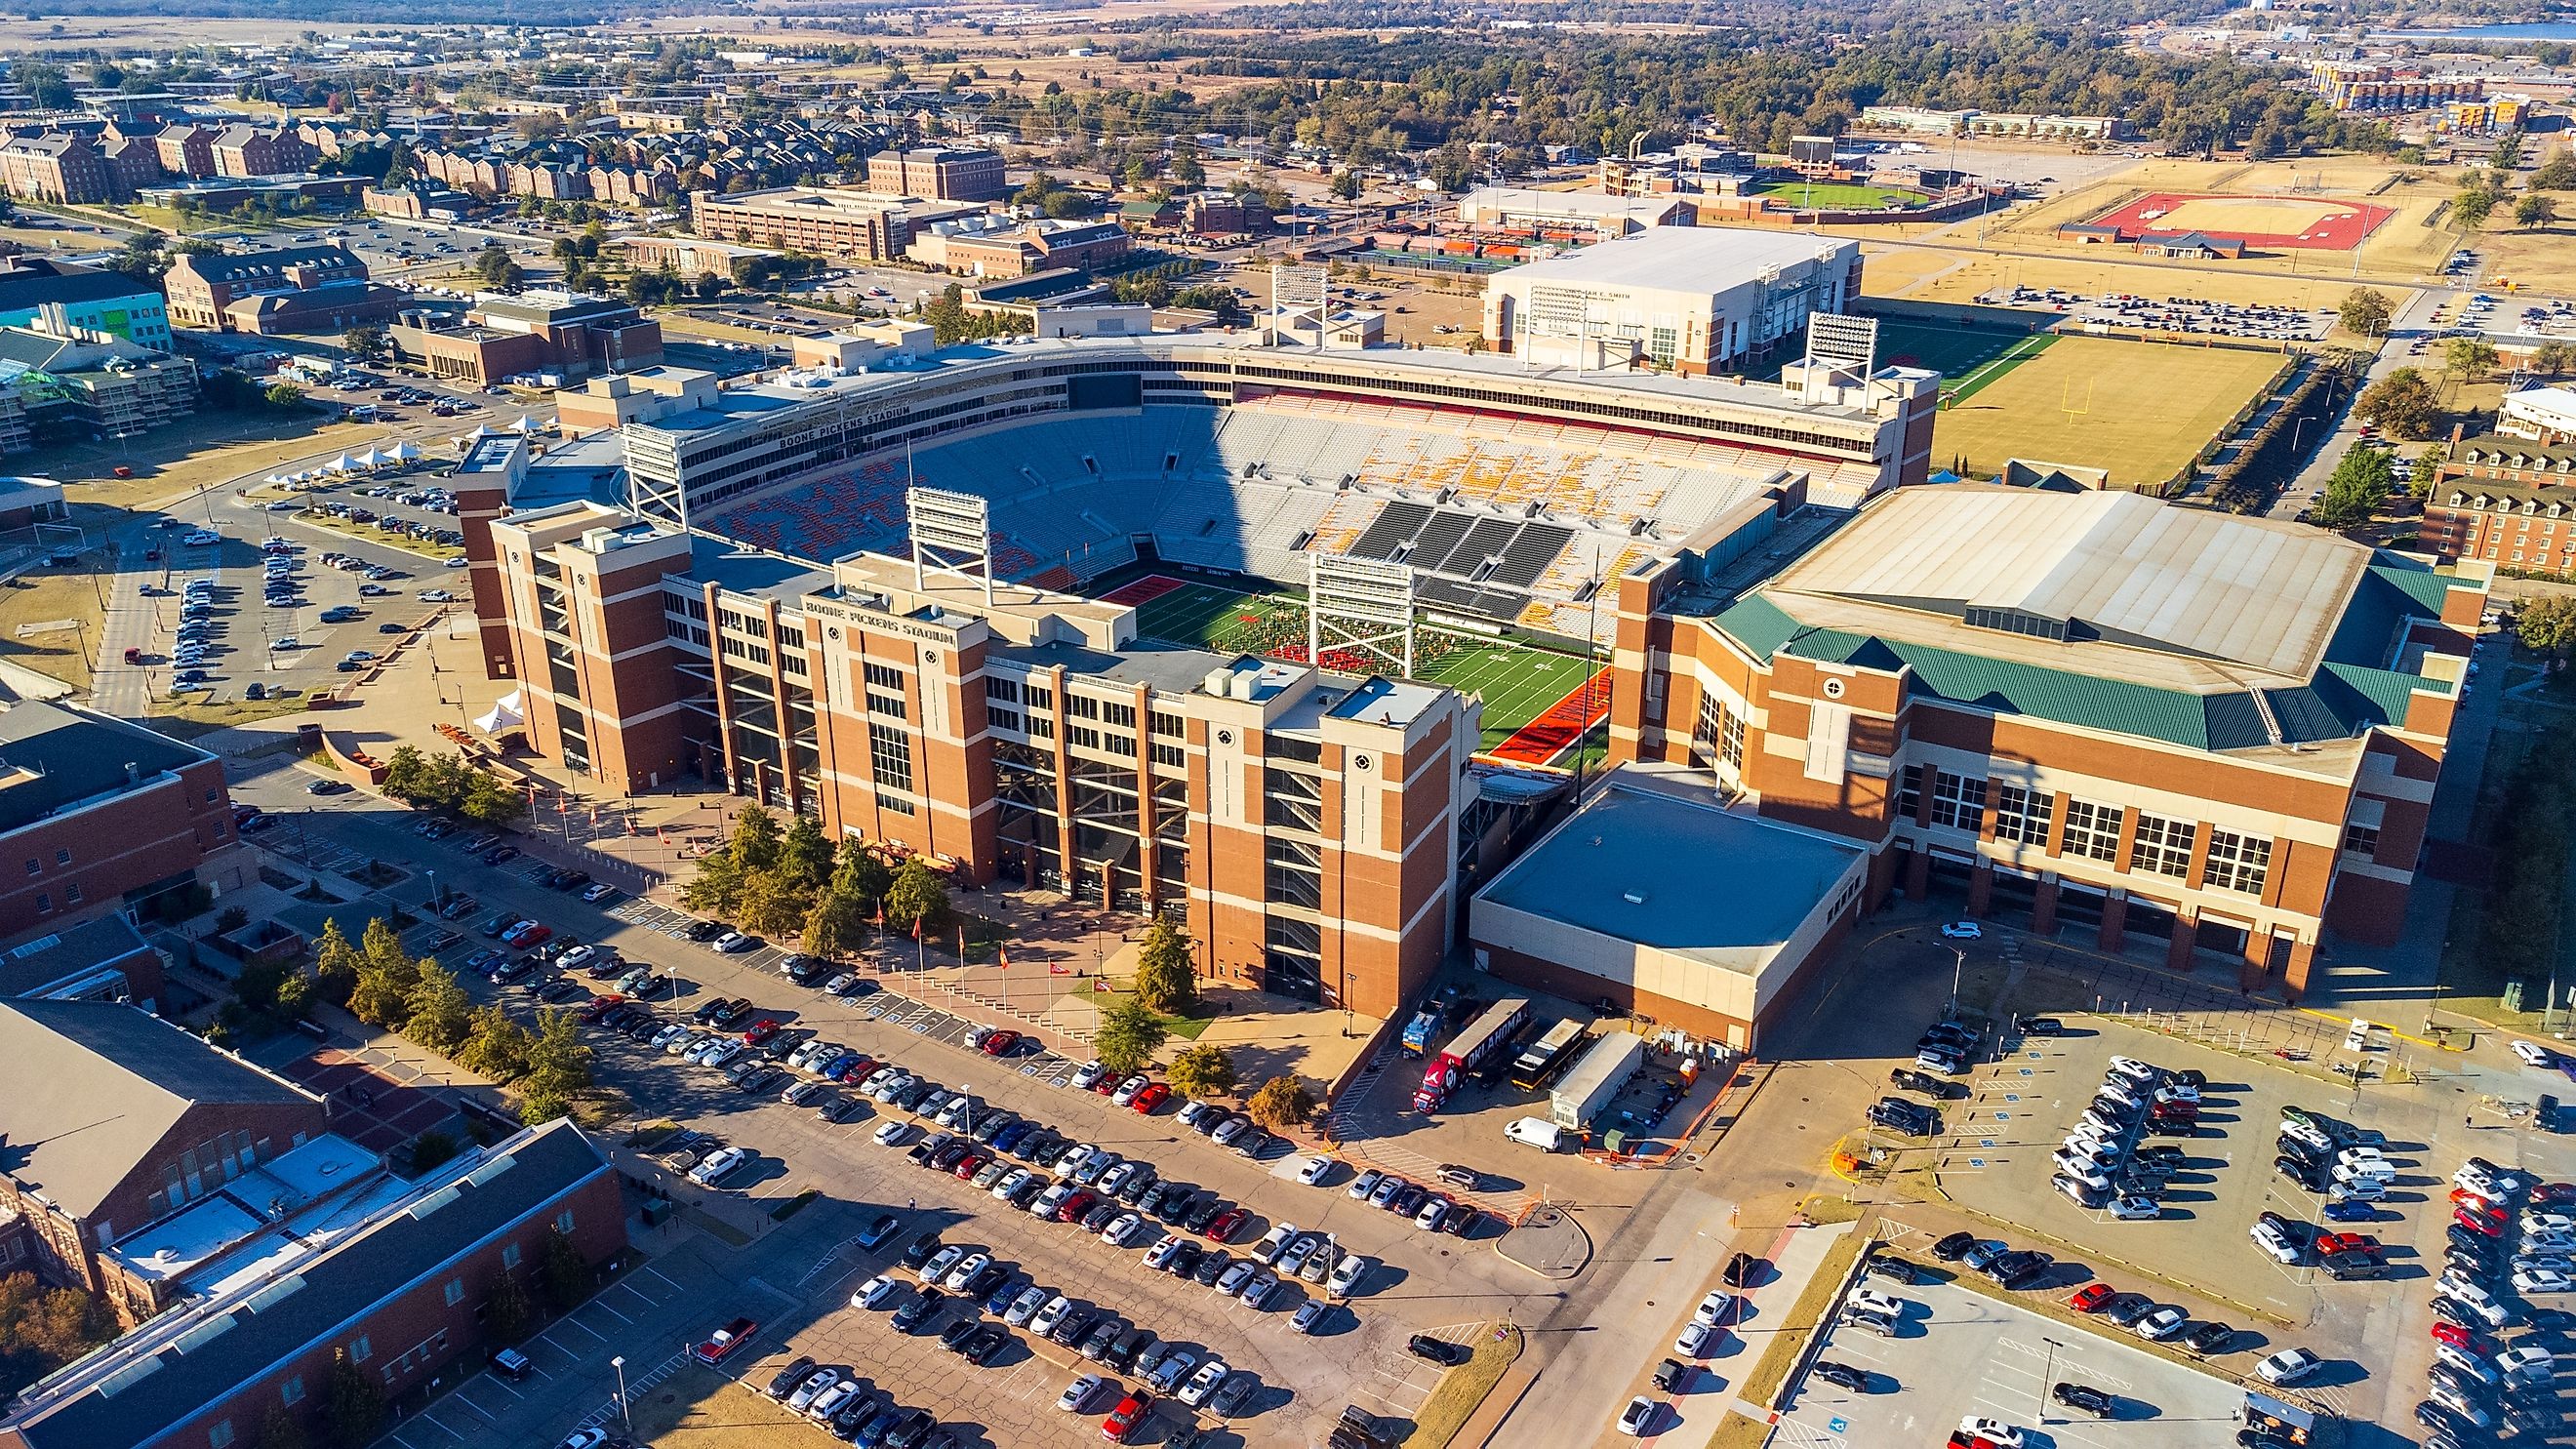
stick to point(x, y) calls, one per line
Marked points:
point(1837, 195)
point(1968, 358)
point(2273, 223)
point(1536, 703)
point(2139, 409)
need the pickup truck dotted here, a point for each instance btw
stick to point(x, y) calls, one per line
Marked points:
point(724, 1341)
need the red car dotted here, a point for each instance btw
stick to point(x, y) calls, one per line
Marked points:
point(527, 937)
point(2481, 1226)
point(721, 1343)
point(2092, 1298)
point(1154, 1095)
point(970, 1164)
point(761, 1031)
point(1223, 1227)
point(858, 1071)
point(1075, 1206)
point(2554, 1194)
point(599, 1007)
point(1122, 1421)
point(2462, 1197)
point(999, 1044)
point(2468, 1339)
point(2329, 1244)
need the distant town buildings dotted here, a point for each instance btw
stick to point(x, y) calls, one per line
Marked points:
point(322, 288)
point(820, 221)
point(939, 173)
point(569, 335)
point(1004, 246)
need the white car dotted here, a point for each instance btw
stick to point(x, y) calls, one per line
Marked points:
point(1162, 1251)
point(812, 1389)
point(1694, 1340)
point(1204, 1382)
point(967, 1267)
point(1120, 1229)
point(2535, 1055)
point(731, 942)
point(2528, 1281)
point(1011, 1182)
point(1050, 1315)
point(941, 1261)
point(2135, 1070)
point(2162, 1323)
point(872, 1292)
point(1347, 1274)
point(2135, 1209)
point(2275, 1243)
point(1311, 1171)
point(1634, 1418)
point(2527, 1363)
point(1962, 931)
point(1086, 1074)
point(2288, 1366)
point(1267, 1250)
point(1993, 1431)
point(718, 1165)
point(1078, 1393)
point(1870, 1300)
point(1712, 1309)
point(891, 1134)
point(720, 1054)
point(829, 1402)
point(1025, 1306)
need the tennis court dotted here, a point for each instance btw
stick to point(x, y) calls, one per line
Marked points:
point(1536, 705)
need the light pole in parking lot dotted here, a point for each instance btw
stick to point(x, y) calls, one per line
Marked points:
point(625, 1416)
point(1958, 971)
point(2048, 1368)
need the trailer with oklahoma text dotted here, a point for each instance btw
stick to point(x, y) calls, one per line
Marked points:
point(1488, 1035)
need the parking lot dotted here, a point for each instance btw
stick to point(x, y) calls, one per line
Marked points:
point(1958, 1353)
point(2190, 315)
point(1996, 1156)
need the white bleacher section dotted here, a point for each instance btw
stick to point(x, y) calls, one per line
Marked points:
point(1252, 487)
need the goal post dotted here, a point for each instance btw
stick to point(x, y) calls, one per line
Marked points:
point(1359, 605)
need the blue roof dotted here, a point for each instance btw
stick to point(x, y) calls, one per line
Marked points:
point(1644, 866)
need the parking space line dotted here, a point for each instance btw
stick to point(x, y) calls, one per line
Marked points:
point(613, 1313)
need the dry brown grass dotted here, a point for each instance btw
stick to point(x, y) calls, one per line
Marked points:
point(48, 596)
point(1462, 1388)
point(2140, 409)
point(698, 1408)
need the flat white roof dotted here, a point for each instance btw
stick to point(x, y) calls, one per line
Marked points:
point(1681, 258)
point(2210, 586)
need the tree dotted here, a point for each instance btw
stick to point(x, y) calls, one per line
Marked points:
point(917, 900)
point(1203, 1069)
point(805, 854)
point(2547, 626)
point(836, 927)
point(428, 1151)
point(1128, 1037)
point(489, 802)
point(1346, 186)
point(716, 889)
point(2471, 357)
point(386, 978)
point(2358, 485)
point(1164, 980)
point(367, 341)
point(857, 872)
point(282, 395)
point(438, 1010)
point(2472, 207)
point(558, 1070)
point(496, 1045)
point(2403, 403)
point(507, 1313)
point(2558, 173)
point(335, 962)
point(563, 1272)
point(281, 1429)
point(231, 919)
point(494, 265)
point(756, 841)
point(2554, 358)
point(773, 903)
point(353, 1407)
point(2534, 210)
point(1281, 1104)
point(2365, 311)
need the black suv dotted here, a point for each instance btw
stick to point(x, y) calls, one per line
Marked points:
point(2086, 1398)
point(1438, 1350)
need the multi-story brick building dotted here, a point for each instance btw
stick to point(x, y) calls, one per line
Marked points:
point(116, 1118)
point(186, 149)
point(940, 173)
point(96, 813)
point(570, 334)
point(1307, 825)
point(818, 221)
point(2087, 712)
point(62, 166)
point(2507, 501)
point(280, 289)
point(393, 1287)
point(241, 149)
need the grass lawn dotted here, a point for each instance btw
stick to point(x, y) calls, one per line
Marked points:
point(1519, 683)
point(1462, 1388)
point(209, 447)
point(40, 599)
point(698, 1408)
point(372, 534)
point(1837, 195)
point(1790, 1339)
point(2141, 409)
point(193, 716)
point(1182, 1028)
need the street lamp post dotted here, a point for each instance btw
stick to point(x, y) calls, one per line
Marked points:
point(433, 890)
point(625, 1415)
point(1958, 971)
point(2047, 1371)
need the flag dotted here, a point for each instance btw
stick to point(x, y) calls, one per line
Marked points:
point(1100, 983)
point(1002, 955)
point(1058, 968)
point(880, 915)
point(662, 834)
point(916, 928)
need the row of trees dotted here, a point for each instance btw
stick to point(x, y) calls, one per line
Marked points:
point(42, 1328)
point(2518, 932)
point(384, 985)
point(794, 883)
point(451, 783)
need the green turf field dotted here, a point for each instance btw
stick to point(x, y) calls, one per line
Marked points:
point(1966, 357)
point(1518, 682)
point(1836, 195)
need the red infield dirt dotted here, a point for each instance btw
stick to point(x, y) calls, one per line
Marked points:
point(2276, 223)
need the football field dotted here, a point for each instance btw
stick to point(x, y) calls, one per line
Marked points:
point(1536, 701)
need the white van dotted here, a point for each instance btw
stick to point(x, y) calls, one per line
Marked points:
point(1538, 1132)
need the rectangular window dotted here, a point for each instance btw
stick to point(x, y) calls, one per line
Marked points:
point(1730, 740)
point(2021, 814)
point(2238, 862)
point(885, 704)
point(455, 1291)
point(2092, 831)
point(361, 1350)
point(1292, 800)
point(1081, 706)
point(1167, 724)
point(1958, 802)
point(890, 757)
point(1005, 690)
point(44, 902)
point(885, 675)
point(1909, 793)
point(1118, 716)
point(220, 1436)
point(1294, 872)
point(292, 1391)
point(1003, 719)
point(35, 866)
point(563, 1221)
point(1172, 755)
point(1120, 745)
point(2361, 840)
point(63, 856)
point(1041, 728)
point(509, 1255)
point(2162, 846)
point(72, 894)
point(1082, 735)
point(1041, 698)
